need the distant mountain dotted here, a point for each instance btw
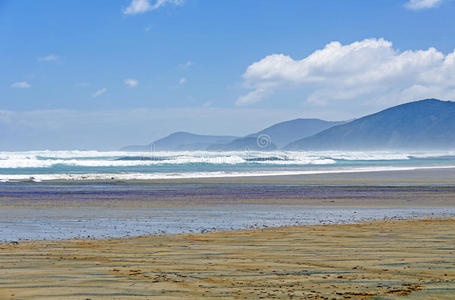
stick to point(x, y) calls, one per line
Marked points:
point(137, 148)
point(286, 132)
point(182, 141)
point(279, 135)
point(421, 125)
point(261, 143)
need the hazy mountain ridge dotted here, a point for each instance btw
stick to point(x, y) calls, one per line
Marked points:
point(246, 143)
point(182, 141)
point(420, 125)
point(277, 135)
point(283, 133)
point(270, 138)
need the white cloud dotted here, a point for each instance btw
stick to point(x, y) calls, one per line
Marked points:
point(187, 65)
point(99, 92)
point(143, 6)
point(368, 70)
point(422, 4)
point(81, 84)
point(50, 57)
point(21, 85)
point(131, 82)
point(182, 80)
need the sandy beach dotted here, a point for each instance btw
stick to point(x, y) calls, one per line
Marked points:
point(376, 260)
point(227, 150)
point(392, 250)
point(51, 211)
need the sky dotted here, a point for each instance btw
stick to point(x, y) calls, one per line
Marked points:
point(102, 74)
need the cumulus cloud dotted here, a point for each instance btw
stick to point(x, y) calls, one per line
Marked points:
point(422, 4)
point(367, 70)
point(21, 85)
point(131, 82)
point(99, 92)
point(143, 6)
point(50, 57)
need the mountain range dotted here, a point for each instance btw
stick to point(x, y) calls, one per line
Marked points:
point(182, 141)
point(270, 138)
point(420, 125)
point(279, 135)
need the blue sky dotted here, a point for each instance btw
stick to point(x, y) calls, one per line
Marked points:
point(105, 73)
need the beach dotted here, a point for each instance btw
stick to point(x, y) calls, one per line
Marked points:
point(374, 260)
point(192, 150)
point(115, 209)
point(370, 235)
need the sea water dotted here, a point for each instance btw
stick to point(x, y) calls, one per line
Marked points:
point(37, 177)
point(95, 165)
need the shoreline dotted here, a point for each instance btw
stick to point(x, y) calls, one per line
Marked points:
point(143, 178)
point(373, 259)
point(368, 222)
point(51, 211)
point(65, 224)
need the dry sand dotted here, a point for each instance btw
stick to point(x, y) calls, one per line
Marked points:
point(378, 260)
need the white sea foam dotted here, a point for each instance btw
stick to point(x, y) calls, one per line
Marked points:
point(189, 175)
point(47, 159)
point(69, 165)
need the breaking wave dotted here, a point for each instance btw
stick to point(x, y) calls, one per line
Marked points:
point(96, 165)
point(46, 159)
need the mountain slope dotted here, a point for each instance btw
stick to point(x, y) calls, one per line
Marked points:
point(424, 124)
point(249, 143)
point(182, 141)
point(280, 135)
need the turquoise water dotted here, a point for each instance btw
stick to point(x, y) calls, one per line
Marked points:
point(88, 165)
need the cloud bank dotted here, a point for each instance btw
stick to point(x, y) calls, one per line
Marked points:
point(368, 70)
point(422, 4)
point(110, 130)
point(143, 6)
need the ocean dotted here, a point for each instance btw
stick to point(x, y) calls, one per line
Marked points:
point(71, 166)
point(93, 194)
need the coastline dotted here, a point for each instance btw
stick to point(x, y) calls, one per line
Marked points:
point(120, 209)
point(373, 259)
point(177, 177)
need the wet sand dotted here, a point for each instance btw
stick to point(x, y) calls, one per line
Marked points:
point(377, 260)
point(123, 209)
point(417, 188)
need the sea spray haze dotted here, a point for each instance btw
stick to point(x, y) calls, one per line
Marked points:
point(419, 134)
point(113, 166)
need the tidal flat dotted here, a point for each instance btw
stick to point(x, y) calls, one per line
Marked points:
point(382, 235)
point(50, 211)
point(373, 260)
